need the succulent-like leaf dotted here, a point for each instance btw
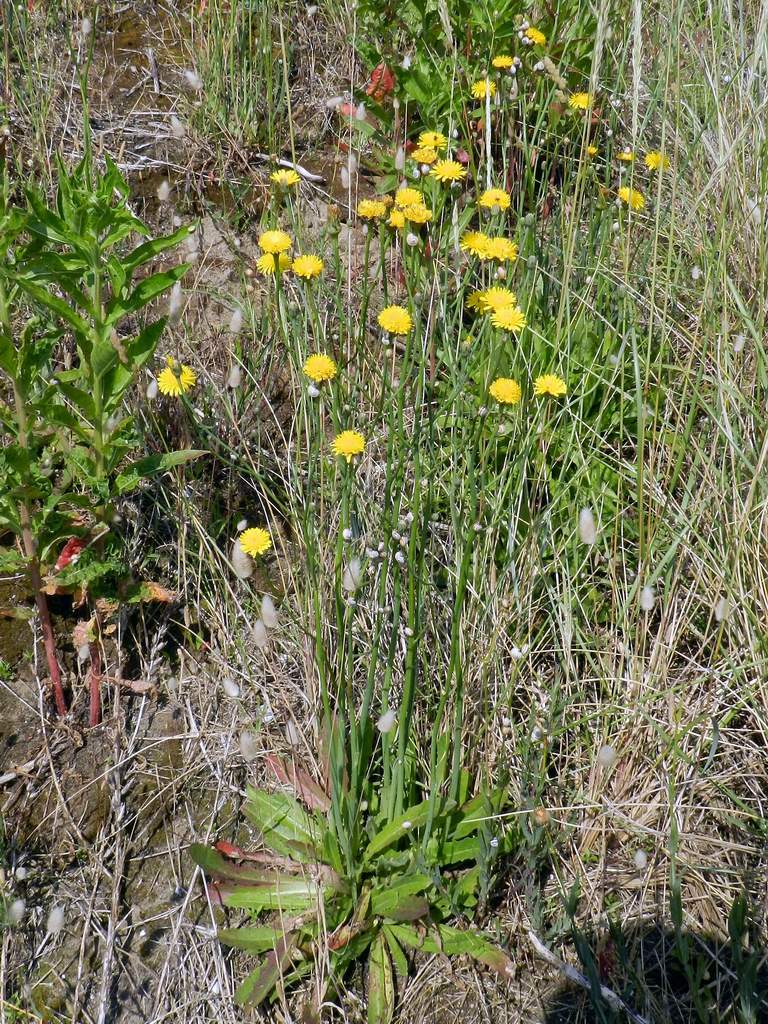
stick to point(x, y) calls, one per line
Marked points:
point(284, 824)
point(400, 900)
point(396, 951)
point(306, 789)
point(262, 981)
point(454, 942)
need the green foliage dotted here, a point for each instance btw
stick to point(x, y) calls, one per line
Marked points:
point(71, 279)
point(405, 879)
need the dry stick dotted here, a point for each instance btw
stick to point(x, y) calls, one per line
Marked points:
point(614, 1001)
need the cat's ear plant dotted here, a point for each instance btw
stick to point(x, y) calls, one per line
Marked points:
point(77, 271)
point(381, 891)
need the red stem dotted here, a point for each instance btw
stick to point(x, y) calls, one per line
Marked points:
point(94, 716)
point(48, 638)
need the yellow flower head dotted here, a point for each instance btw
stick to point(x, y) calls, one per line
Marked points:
point(348, 444)
point(656, 161)
point(408, 197)
point(434, 140)
point(485, 87)
point(503, 61)
point(396, 219)
point(395, 320)
point(505, 390)
point(549, 384)
point(509, 318)
point(536, 35)
point(176, 379)
point(579, 100)
point(474, 301)
point(417, 213)
point(370, 209)
point(591, 150)
point(496, 298)
point(255, 541)
point(475, 242)
point(501, 249)
point(275, 242)
point(307, 266)
point(285, 178)
point(635, 200)
point(448, 170)
point(266, 262)
point(494, 198)
point(319, 368)
point(424, 155)
point(626, 155)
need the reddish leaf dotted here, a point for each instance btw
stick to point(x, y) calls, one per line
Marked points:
point(305, 788)
point(382, 83)
point(70, 552)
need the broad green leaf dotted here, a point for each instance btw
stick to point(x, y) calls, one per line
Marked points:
point(451, 941)
point(399, 901)
point(56, 305)
point(286, 894)
point(262, 981)
point(381, 984)
point(396, 951)
point(132, 476)
point(283, 822)
point(7, 355)
point(148, 250)
point(411, 819)
point(253, 939)
point(144, 292)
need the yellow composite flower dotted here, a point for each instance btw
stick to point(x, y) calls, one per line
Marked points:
point(635, 200)
point(395, 320)
point(503, 61)
point(417, 213)
point(448, 170)
point(496, 298)
point(266, 262)
point(275, 242)
point(591, 150)
point(424, 155)
point(370, 209)
point(626, 155)
point(434, 140)
point(408, 197)
point(494, 198)
point(474, 301)
point(509, 318)
point(579, 100)
point(536, 35)
point(505, 390)
point(176, 379)
point(255, 541)
point(549, 384)
point(501, 249)
point(656, 161)
point(285, 178)
point(396, 219)
point(307, 266)
point(348, 444)
point(474, 242)
point(485, 87)
point(320, 367)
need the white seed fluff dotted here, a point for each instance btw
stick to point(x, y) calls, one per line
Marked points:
point(587, 526)
point(647, 599)
point(16, 911)
point(640, 860)
point(606, 755)
point(163, 191)
point(55, 920)
point(268, 612)
point(387, 721)
point(249, 744)
point(259, 633)
point(242, 564)
point(230, 687)
point(352, 575)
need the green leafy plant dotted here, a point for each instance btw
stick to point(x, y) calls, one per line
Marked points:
point(406, 878)
point(69, 291)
